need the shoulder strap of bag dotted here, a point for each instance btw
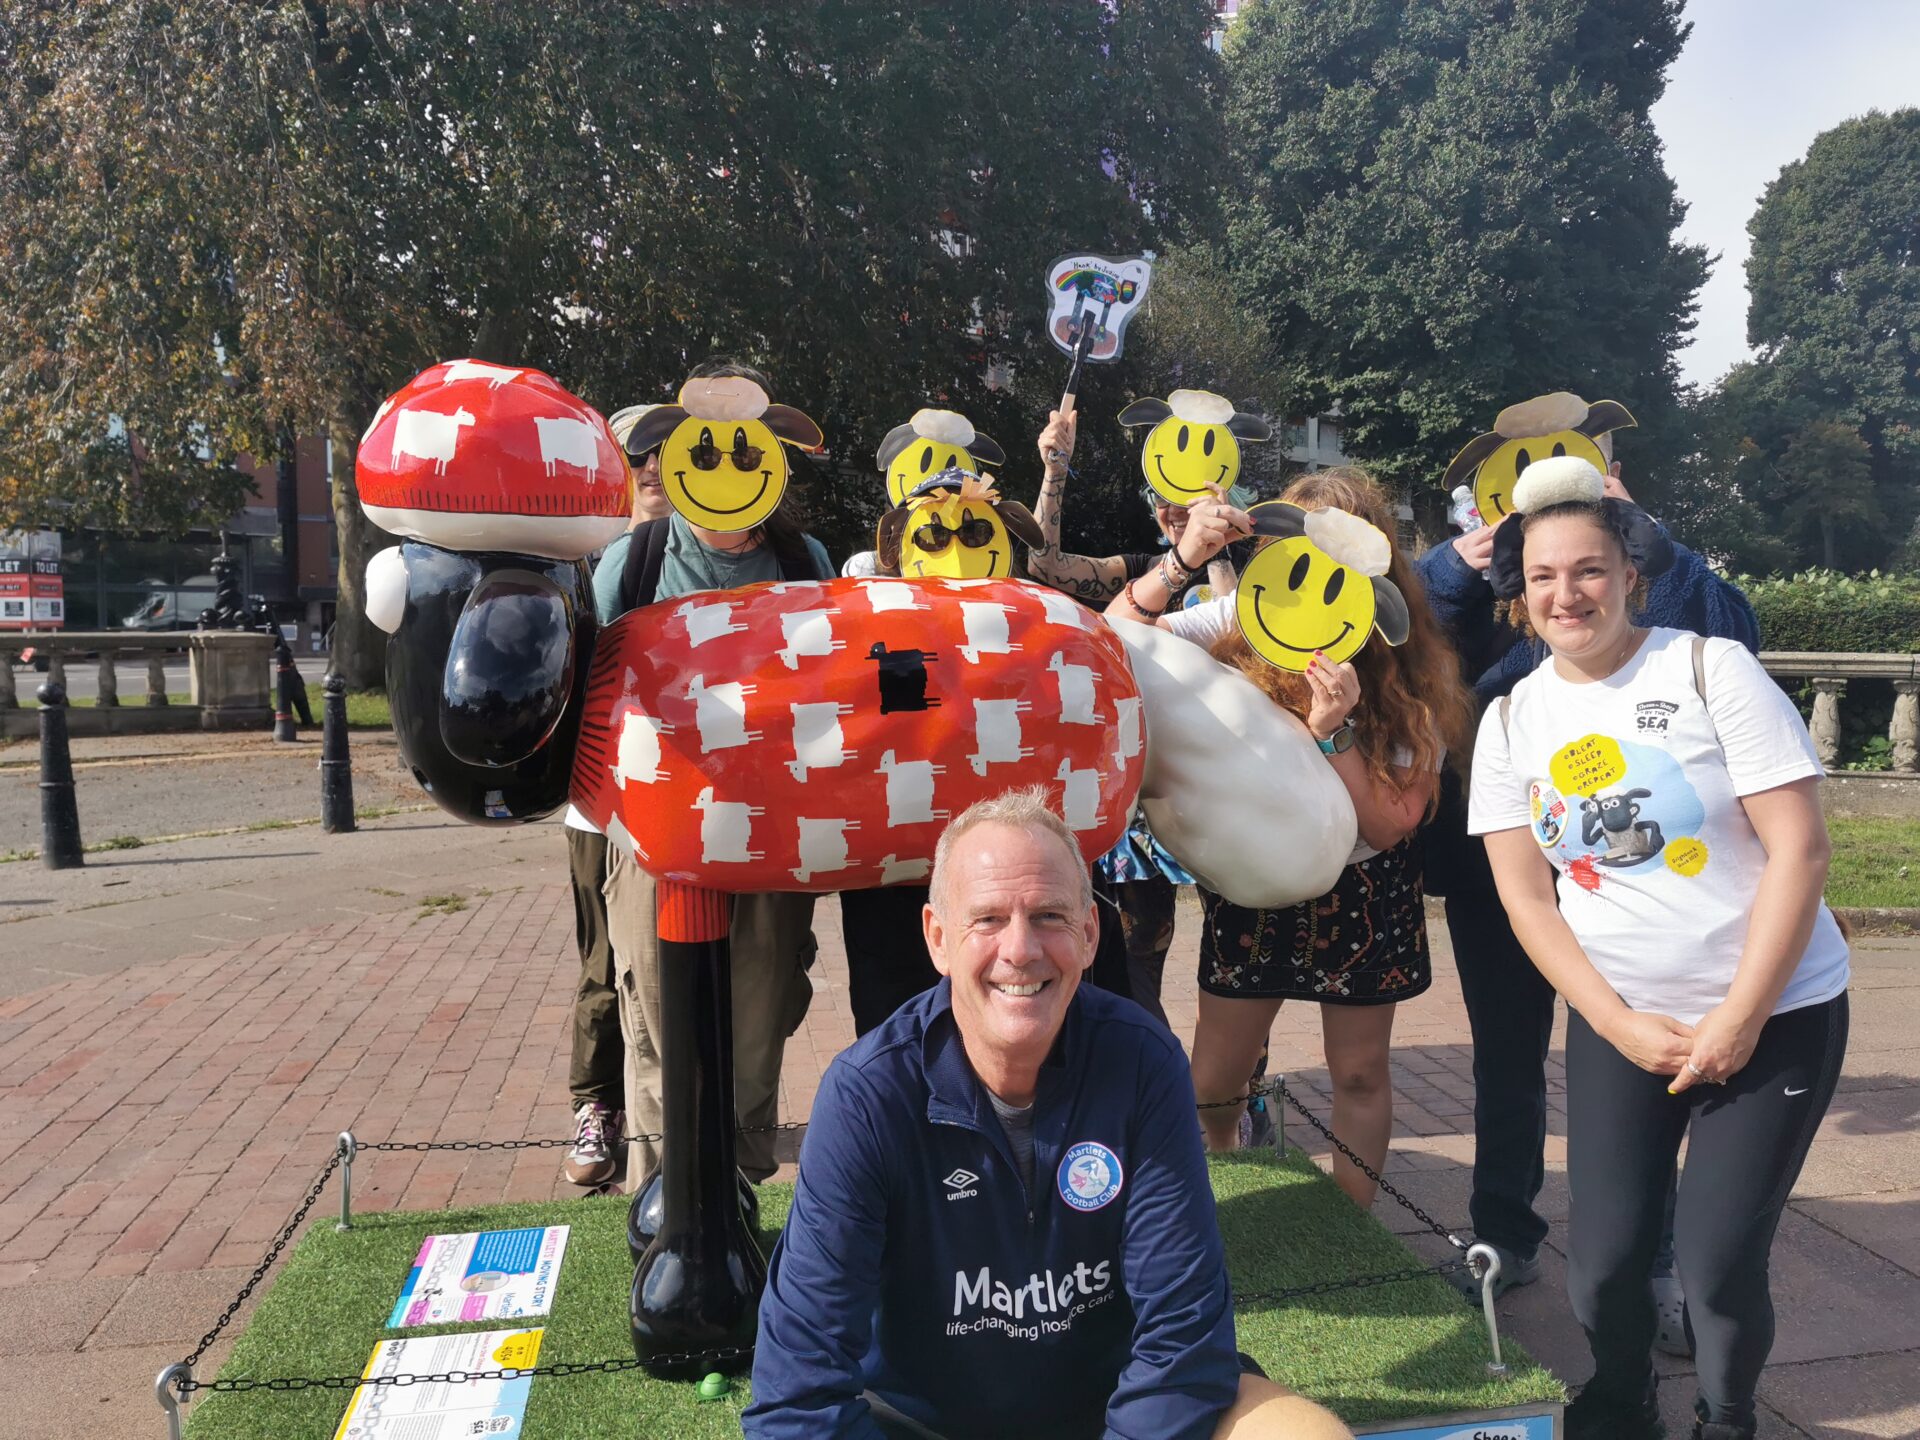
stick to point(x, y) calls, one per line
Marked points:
point(646, 555)
point(799, 567)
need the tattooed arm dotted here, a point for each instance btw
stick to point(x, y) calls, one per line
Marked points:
point(1081, 576)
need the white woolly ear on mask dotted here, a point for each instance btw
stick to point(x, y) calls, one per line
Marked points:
point(1234, 786)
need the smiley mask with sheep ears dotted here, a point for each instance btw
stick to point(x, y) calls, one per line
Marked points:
point(721, 461)
point(1320, 585)
point(954, 526)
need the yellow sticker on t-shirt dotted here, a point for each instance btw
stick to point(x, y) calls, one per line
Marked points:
point(1686, 856)
point(1588, 765)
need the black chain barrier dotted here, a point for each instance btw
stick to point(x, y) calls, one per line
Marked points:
point(185, 1385)
point(1279, 1087)
point(260, 1271)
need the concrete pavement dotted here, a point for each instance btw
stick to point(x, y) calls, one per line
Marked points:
point(147, 786)
point(166, 1098)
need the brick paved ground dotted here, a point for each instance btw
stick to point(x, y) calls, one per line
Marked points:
point(159, 1123)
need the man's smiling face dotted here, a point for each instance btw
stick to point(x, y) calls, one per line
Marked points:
point(1014, 933)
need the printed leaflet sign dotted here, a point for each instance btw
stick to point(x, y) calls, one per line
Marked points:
point(492, 1275)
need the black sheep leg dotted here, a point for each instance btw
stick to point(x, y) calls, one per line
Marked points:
point(696, 1289)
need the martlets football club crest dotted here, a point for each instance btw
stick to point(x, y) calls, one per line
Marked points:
point(1090, 1175)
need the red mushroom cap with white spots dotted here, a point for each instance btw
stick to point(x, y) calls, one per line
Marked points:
point(471, 455)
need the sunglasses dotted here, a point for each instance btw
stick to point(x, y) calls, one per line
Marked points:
point(935, 536)
point(707, 456)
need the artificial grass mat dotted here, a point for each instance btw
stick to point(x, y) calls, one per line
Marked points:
point(1381, 1353)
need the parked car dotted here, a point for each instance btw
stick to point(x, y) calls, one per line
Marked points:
point(177, 608)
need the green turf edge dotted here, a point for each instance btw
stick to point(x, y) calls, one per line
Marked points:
point(1384, 1353)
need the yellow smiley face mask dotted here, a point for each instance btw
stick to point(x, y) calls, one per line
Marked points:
point(1320, 584)
point(1194, 446)
point(932, 441)
point(1536, 429)
point(954, 526)
point(721, 461)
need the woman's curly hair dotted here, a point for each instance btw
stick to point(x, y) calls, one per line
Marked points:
point(1411, 695)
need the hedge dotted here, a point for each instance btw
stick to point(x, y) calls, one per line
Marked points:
point(1823, 610)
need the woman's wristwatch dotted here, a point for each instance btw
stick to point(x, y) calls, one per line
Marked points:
point(1340, 740)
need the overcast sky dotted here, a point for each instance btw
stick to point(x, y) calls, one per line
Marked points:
point(1757, 81)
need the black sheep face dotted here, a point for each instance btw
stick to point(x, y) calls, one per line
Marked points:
point(487, 677)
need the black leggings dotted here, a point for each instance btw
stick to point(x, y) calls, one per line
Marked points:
point(1747, 1142)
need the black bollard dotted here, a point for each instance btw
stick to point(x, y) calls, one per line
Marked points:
point(696, 1290)
point(59, 815)
point(289, 680)
point(336, 765)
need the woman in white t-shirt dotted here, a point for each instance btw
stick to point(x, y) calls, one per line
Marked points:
point(1385, 720)
point(1649, 801)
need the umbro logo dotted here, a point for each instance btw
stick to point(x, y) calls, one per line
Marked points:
point(960, 1183)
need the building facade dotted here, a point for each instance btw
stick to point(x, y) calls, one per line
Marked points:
point(283, 538)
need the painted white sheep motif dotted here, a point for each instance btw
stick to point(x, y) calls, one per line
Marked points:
point(566, 440)
point(429, 435)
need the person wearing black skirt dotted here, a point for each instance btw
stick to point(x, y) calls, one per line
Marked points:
point(1386, 720)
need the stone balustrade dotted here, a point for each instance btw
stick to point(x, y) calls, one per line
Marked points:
point(1830, 674)
point(229, 680)
point(231, 685)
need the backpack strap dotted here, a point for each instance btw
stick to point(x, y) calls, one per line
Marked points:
point(800, 567)
point(1506, 705)
point(646, 555)
point(1700, 670)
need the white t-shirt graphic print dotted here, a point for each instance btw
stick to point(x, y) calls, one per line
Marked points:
point(1633, 792)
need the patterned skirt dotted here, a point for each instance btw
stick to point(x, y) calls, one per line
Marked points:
point(1364, 942)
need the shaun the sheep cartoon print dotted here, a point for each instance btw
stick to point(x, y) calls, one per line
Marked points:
point(1612, 805)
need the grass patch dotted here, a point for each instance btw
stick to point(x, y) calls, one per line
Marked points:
point(1875, 862)
point(366, 709)
point(1382, 1353)
point(118, 842)
point(383, 890)
point(441, 905)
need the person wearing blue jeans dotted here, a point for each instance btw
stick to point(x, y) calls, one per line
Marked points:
point(1509, 1003)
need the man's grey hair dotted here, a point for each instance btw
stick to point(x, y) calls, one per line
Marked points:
point(1026, 810)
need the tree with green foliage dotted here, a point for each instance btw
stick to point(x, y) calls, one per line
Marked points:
point(220, 223)
point(1835, 315)
point(1448, 206)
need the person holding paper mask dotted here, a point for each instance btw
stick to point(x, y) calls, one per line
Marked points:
point(1385, 716)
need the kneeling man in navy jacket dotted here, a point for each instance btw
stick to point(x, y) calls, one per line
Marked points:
point(1003, 1225)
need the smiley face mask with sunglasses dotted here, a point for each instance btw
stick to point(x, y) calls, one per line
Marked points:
point(720, 457)
point(954, 526)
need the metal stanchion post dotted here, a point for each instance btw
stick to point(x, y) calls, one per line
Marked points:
point(59, 814)
point(1486, 1266)
point(287, 677)
point(348, 1145)
point(170, 1399)
point(336, 764)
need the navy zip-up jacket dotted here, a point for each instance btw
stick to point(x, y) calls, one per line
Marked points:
point(1495, 657)
point(916, 1264)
